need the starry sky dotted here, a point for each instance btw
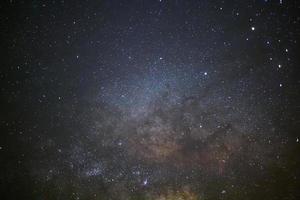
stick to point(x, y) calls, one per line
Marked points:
point(150, 100)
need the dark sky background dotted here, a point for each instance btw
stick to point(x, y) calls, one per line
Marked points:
point(149, 100)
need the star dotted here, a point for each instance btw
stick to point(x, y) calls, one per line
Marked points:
point(145, 182)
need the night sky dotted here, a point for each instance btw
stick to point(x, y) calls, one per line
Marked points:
point(150, 100)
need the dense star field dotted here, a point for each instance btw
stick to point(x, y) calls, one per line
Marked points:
point(150, 100)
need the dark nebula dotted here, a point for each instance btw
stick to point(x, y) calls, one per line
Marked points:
point(150, 100)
